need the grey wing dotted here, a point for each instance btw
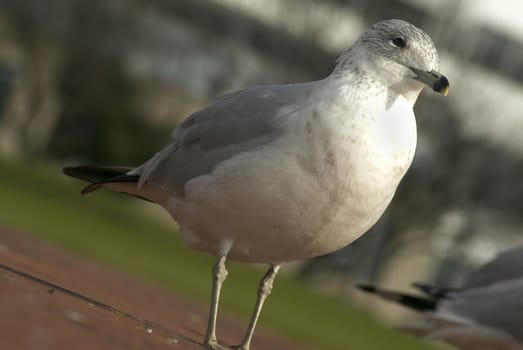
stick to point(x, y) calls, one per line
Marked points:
point(498, 306)
point(507, 265)
point(234, 123)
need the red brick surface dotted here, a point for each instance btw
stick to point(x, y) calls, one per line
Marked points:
point(37, 316)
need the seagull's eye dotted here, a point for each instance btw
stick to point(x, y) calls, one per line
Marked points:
point(399, 42)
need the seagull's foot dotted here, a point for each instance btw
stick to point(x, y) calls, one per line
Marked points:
point(213, 345)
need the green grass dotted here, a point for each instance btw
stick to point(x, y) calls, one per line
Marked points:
point(115, 230)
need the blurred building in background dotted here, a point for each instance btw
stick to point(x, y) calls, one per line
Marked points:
point(106, 81)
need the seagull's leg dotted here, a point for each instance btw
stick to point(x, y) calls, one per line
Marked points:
point(264, 291)
point(219, 273)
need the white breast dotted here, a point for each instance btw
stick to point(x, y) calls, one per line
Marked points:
point(394, 134)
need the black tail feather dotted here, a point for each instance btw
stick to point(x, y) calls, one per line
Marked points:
point(94, 173)
point(98, 176)
point(413, 302)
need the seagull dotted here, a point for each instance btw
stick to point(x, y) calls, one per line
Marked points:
point(483, 317)
point(486, 313)
point(277, 173)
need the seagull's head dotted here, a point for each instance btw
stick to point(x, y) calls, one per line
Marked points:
point(399, 55)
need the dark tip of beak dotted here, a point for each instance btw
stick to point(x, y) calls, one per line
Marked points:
point(441, 85)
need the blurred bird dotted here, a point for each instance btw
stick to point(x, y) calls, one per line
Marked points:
point(277, 173)
point(487, 313)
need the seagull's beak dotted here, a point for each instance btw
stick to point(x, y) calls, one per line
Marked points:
point(435, 80)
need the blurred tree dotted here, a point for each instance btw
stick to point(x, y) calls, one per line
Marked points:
point(99, 120)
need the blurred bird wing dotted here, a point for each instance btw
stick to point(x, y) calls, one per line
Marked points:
point(498, 306)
